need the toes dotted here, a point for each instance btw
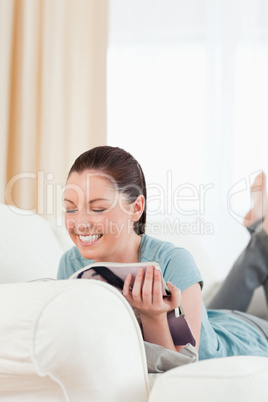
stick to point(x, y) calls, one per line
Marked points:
point(259, 182)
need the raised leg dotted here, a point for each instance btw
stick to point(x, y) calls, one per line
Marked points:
point(251, 268)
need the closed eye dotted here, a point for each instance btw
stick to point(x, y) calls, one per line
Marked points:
point(69, 211)
point(98, 210)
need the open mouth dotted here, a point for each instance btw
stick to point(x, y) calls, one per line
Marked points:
point(89, 239)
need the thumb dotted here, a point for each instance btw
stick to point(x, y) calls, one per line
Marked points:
point(175, 294)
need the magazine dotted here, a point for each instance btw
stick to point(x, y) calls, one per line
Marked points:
point(116, 273)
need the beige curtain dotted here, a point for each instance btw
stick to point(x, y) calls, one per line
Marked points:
point(53, 94)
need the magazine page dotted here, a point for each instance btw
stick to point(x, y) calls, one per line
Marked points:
point(116, 273)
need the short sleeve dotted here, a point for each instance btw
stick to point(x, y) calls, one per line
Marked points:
point(180, 269)
point(70, 262)
point(64, 267)
point(177, 264)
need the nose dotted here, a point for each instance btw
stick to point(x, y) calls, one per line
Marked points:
point(82, 222)
point(81, 227)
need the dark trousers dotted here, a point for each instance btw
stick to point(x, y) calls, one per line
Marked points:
point(248, 273)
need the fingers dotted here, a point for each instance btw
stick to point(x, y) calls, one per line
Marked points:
point(146, 294)
point(147, 287)
point(142, 290)
point(157, 288)
point(142, 287)
point(126, 288)
point(175, 298)
point(137, 287)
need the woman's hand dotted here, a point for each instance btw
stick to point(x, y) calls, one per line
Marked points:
point(146, 297)
point(146, 294)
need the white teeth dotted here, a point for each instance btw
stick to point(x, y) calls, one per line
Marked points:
point(89, 238)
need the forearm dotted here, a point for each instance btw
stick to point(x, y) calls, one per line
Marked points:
point(156, 330)
point(148, 300)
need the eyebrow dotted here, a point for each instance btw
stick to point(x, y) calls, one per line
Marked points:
point(66, 199)
point(98, 199)
point(90, 202)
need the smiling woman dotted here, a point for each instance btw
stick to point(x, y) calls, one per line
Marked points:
point(105, 216)
point(104, 199)
point(100, 223)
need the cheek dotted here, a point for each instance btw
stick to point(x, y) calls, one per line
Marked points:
point(69, 222)
point(118, 223)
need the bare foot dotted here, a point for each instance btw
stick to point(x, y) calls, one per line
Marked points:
point(259, 199)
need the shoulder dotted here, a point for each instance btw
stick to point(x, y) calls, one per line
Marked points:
point(70, 262)
point(177, 263)
point(153, 249)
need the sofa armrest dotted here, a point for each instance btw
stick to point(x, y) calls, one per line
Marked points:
point(80, 337)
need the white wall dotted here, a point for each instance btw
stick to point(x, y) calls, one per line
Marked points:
point(187, 96)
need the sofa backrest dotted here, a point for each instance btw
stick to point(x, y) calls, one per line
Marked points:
point(29, 249)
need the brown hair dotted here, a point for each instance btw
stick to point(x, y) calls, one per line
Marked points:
point(122, 167)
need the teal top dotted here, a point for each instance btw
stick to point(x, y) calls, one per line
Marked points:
point(222, 333)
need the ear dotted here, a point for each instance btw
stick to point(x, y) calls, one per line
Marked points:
point(138, 208)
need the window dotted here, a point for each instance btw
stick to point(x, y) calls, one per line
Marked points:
point(187, 96)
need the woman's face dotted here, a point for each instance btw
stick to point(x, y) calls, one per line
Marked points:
point(98, 218)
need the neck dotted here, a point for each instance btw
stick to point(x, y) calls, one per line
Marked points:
point(128, 253)
point(131, 251)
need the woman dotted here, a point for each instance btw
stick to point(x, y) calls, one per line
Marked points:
point(105, 202)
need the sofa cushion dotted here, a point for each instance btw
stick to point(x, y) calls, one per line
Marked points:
point(232, 379)
point(29, 248)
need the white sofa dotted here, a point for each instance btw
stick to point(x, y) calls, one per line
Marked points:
point(79, 340)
